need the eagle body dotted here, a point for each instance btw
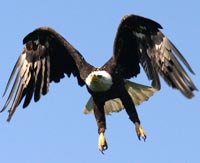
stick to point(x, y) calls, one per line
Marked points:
point(48, 57)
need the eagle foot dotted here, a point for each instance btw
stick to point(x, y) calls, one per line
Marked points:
point(102, 144)
point(140, 132)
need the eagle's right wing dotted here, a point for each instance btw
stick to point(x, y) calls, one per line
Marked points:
point(46, 57)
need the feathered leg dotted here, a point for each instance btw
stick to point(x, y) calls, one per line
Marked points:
point(101, 123)
point(132, 113)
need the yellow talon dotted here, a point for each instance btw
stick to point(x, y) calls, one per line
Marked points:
point(140, 132)
point(102, 144)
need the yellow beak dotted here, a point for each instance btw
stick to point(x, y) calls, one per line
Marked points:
point(93, 78)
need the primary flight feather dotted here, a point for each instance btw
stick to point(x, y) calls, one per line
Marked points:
point(47, 57)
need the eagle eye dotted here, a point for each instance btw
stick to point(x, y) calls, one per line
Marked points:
point(99, 76)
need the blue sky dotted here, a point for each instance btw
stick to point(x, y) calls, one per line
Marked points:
point(55, 129)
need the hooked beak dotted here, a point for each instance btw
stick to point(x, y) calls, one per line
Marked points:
point(93, 78)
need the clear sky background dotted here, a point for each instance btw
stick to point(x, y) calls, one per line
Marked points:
point(56, 130)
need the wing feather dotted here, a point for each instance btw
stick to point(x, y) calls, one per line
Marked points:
point(47, 76)
point(39, 81)
point(11, 92)
point(17, 65)
point(140, 41)
point(46, 57)
point(29, 90)
point(16, 100)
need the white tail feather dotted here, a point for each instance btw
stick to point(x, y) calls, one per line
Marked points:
point(138, 93)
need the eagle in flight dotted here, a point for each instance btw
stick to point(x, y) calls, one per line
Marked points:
point(47, 57)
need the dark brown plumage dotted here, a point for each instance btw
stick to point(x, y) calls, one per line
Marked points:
point(47, 57)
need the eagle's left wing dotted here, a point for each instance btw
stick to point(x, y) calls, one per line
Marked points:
point(139, 41)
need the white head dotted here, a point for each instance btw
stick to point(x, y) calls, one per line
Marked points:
point(99, 81)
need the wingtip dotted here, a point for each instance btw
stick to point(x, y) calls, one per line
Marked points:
point(190, 95)
point(10, 115)
point(2, 109)
point(9, 118)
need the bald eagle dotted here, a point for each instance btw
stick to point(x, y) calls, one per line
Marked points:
point(48, 57)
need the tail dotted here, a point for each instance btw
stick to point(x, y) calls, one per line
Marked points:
point(138, 93)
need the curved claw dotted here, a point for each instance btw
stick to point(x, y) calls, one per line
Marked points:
point(140, 132)
point(102, 144)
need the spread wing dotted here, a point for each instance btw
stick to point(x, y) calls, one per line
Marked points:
point(46, 57)
point(139, 41)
